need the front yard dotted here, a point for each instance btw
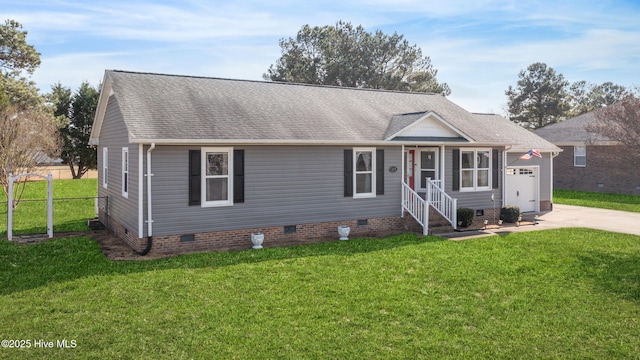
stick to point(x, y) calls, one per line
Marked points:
point(569, 293)
point(597, 200)
point(566, 293)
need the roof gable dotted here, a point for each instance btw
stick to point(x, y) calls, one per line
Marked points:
point(425, 125)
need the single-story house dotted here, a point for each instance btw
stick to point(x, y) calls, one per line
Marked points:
point(195, 163)
point(590, 162)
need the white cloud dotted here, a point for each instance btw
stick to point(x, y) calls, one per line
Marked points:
point(478, 47)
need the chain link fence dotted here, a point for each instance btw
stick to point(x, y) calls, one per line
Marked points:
point(70, 214)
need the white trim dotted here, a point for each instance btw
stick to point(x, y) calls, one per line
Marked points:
point(105, 93)
point(204, 177)
point(371, 194)
point(435, 116)
point(443, 179)
point(125, 172)
point(105, 167)
point(345, 142)
point(475, 170)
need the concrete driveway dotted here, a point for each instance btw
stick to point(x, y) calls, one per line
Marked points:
point(564, 216)
point(602, 219)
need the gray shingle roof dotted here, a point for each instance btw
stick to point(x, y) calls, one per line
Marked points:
point(158, 107)
point(570, 131)
point(520, 138)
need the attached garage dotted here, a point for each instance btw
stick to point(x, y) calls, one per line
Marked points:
point(523, 188)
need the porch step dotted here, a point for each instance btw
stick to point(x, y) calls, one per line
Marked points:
point(440, 229)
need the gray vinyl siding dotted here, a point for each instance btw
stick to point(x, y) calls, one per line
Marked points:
point(284, 185)
point(473, 199)
point(544, 164)
point(114, 137)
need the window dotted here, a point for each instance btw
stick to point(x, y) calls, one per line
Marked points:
point(217, 177)
point(105, 166)
point(125, 172)
point(364, 172)
point(475, 169)
point(580, 156)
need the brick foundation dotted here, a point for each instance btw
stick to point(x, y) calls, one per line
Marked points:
point(303, 234)
point(273, 236)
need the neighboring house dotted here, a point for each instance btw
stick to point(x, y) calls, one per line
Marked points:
point(590, 162)
point(200, 163)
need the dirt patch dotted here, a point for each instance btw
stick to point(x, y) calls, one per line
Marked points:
point(112, 246)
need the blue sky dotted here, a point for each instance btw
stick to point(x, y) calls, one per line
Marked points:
point(478, 47)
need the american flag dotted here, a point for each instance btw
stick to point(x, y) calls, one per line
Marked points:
point(530, 154)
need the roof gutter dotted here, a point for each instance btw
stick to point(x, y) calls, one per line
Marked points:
point(345, 142)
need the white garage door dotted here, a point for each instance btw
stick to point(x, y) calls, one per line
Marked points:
point(522, 188)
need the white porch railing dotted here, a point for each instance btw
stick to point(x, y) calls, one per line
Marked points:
point(418, 207)
point(442, 202)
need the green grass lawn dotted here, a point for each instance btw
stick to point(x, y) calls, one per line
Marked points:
point(566, 293)
point(597, 200)
point(68, 215)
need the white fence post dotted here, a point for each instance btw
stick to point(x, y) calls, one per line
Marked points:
point(10, 209)
point(10, 204)
point(49, 206)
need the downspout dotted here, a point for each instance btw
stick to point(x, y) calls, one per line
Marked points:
point(140, 191)
point(553, 155)
point(149, 210)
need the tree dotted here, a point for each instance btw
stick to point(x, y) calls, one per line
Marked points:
point(540, 97)
point(16, 57)
point(342, 55)
point(15, 54)
point(75, 112)
point(620, 122)
point(24, 134)
point(585, 97)
point(27, 128)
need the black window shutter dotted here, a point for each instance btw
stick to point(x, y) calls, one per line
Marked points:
point(348, 172)
point(194, 177)
point(495, 170)
point(238, 176)
point(380, 172)
point(455, 182)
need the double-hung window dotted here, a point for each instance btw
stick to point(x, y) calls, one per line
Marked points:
point(475, 169)
point(217, 179)
point(125, 172)
point(364, 160)
point(579, 156)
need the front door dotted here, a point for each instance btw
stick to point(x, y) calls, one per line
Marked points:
point(427, 166)
point(409, 176)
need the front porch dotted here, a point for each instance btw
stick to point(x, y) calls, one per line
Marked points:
point(434, 197)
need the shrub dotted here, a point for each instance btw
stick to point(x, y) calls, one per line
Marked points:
point(465, 217)
point(510, 213)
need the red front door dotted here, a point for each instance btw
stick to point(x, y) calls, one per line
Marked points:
point(409, 168)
